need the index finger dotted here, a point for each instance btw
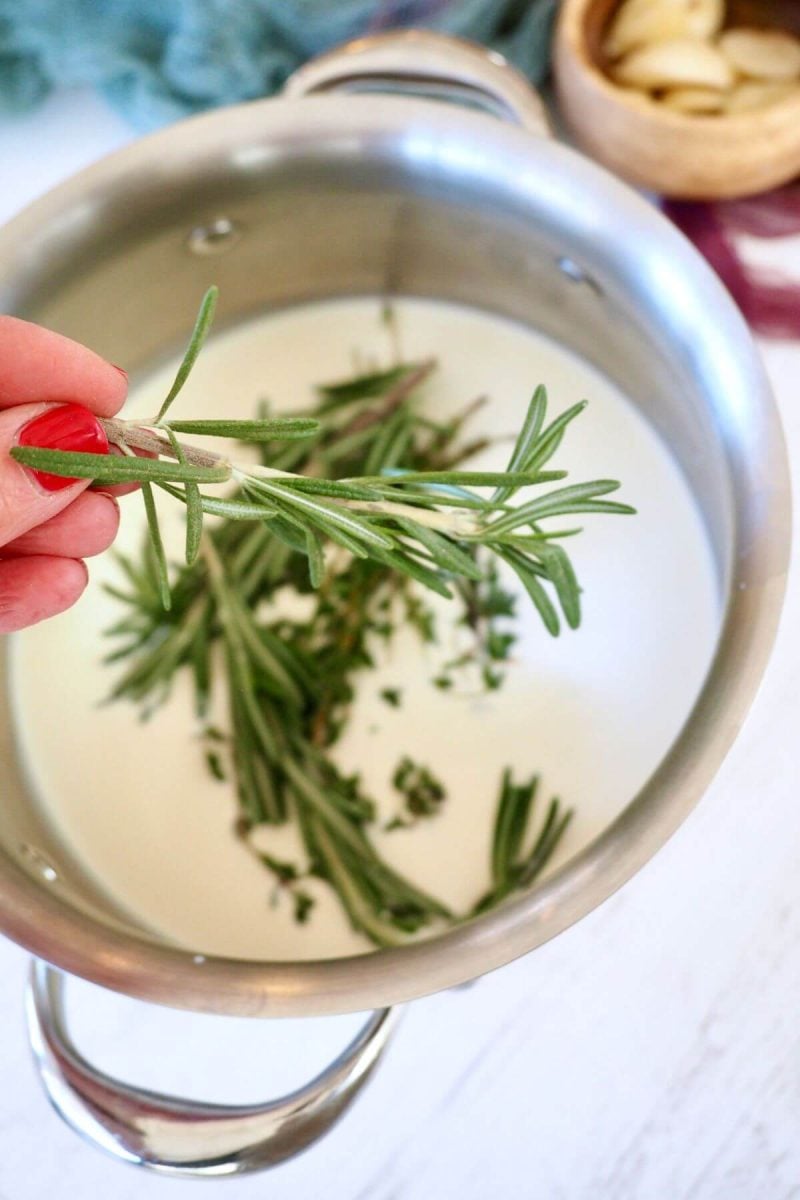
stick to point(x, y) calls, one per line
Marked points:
point(37, 364)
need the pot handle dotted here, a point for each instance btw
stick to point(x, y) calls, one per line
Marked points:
point(189, 1137)
point(420, 62)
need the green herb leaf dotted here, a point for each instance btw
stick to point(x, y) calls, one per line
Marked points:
point(363, 387)
point(528, 576)
point(111, 468)
point(444, 552)
point(546, 444)
point(157, 544)
point(194, 506)
point(512, 868)
point(562, 575)
point(510, 479)
point(572, 499)
point(316, 561)
point(272, 429)
point(201, 327)
point(231, 508)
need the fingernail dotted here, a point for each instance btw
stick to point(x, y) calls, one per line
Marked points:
point(99, 491)
point(122, 371)
point(64, 427)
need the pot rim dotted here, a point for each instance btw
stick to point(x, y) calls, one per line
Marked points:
point(130, 963)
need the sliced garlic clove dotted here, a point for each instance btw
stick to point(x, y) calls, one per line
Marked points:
point(694, 100)
point(704, 18)
point(680, 62)
point(767, 54)
point(750, 96)
point(640, 22)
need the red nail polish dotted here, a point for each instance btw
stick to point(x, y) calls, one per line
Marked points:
point(64, 427)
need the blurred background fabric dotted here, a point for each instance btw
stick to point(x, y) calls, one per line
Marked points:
point(157, 61)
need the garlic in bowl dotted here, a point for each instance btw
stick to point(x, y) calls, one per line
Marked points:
point(690, 98)
point(642, 22)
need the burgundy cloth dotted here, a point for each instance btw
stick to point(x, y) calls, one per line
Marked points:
point(770, 303)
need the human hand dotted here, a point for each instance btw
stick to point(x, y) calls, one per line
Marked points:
point(51, 390)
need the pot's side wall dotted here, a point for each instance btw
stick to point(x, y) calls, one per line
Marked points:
point(379, 195)
point(118, 258)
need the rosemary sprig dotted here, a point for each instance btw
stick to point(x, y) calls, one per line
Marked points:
point(422, 523)
point(359, 500)
point(512, 867)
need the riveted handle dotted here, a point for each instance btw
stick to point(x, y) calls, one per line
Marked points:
point(189, 1137)
point(421, 63)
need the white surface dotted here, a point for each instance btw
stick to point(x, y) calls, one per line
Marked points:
point(650, 1053)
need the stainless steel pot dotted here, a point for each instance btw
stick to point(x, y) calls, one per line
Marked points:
point(314, 195)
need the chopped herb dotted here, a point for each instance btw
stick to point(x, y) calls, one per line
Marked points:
point(303, 904)
point(423, 794)
point(215, 767)
point(284, 872)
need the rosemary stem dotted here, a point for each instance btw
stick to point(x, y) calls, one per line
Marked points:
point(132, 436)
point(139, 437)
point(409, 382)
point(457, 524)
point(259, 471)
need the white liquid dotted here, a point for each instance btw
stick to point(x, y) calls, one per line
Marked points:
point(593, 711)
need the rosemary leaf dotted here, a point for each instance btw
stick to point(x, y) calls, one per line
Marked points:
point(338, 489)
point(110, 468)
point(526, 439)
point(527, 575)
point(201, 327)
point(232, 508)
point(512, 869)
point(157, 544)
point(364, 387)
point(408, 565)
point(531, 428)
point(571, 499)
point(327, 516)
point(562, 575)
point(546, 444)
point(316, 561)
point(194, 506)
point(511, 822)
point(510, 479)
point(555, 824)
point(268, 430)
point(446, 553)
point(438, 494)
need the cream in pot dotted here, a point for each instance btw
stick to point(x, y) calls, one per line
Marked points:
point(134, 803)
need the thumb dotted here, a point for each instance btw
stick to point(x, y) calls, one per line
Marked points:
point(27, 497)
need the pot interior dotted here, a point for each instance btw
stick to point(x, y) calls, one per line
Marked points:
point(288, 203)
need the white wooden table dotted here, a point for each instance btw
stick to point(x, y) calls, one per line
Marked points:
point(651, 1052)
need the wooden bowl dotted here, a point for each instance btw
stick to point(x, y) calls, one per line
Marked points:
point(677, 154)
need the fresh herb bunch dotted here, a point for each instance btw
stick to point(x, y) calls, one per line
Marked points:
point(380, 482)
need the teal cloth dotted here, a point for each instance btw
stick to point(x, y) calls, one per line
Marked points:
point(158, 60)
